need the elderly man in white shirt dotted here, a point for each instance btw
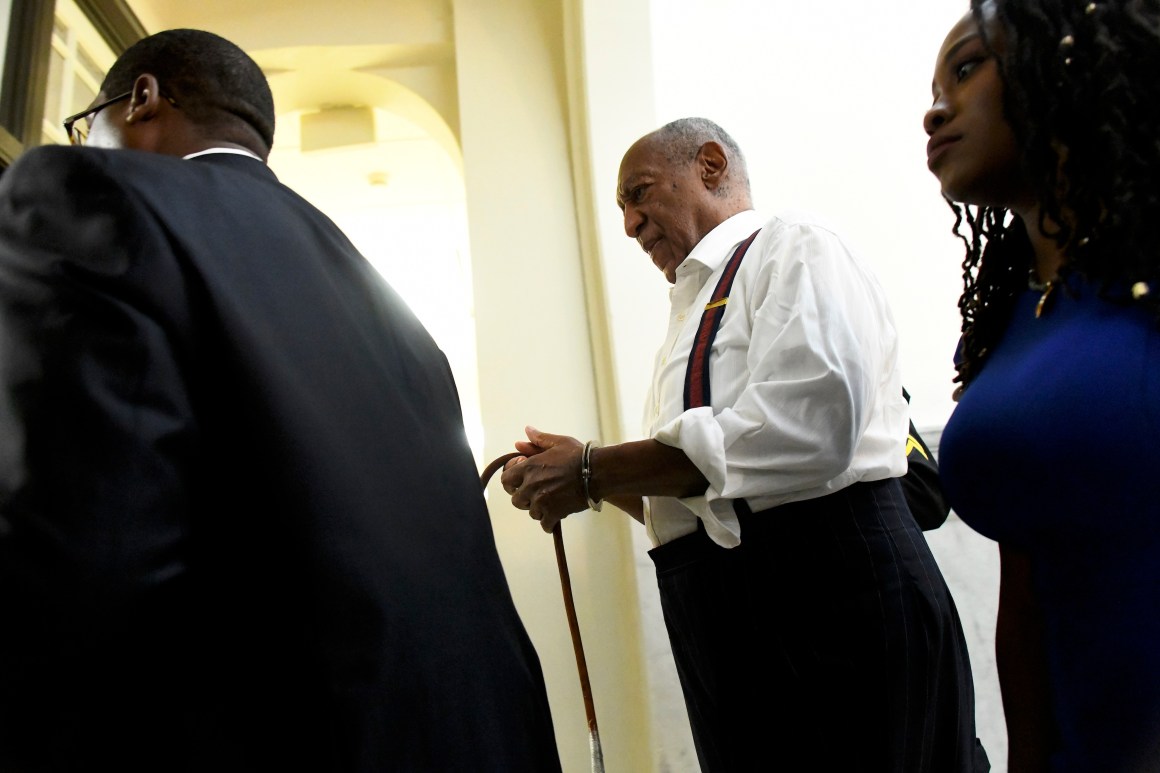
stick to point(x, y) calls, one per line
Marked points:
point(811, 627)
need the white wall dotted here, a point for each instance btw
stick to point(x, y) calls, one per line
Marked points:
point(826, 99)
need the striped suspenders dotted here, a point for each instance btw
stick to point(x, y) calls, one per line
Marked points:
point(697, 375)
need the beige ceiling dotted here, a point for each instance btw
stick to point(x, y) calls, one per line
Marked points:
point(279, 23)
point(394, 57)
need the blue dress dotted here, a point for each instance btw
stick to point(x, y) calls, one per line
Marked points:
point(1054, 450)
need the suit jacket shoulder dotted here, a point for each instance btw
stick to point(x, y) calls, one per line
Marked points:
point(62, 204)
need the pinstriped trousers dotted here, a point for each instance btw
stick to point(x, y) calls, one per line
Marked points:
point(826, 641)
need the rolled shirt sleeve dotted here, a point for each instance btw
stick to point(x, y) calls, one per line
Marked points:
point(806, 395)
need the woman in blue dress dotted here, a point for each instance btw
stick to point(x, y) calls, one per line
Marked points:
point(1045, 137)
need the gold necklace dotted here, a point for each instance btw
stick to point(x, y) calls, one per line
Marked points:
point(1043, 287)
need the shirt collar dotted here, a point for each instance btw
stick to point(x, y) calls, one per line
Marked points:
point(718, 244)
point(235, 151)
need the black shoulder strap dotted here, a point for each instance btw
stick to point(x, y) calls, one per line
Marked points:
point(920, 484)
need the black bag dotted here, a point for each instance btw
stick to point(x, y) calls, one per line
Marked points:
point(920, 484)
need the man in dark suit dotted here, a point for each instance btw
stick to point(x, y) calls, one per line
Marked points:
point(240, 525)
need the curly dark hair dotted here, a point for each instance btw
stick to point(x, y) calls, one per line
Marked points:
point(216, 83)
point(1082, 96)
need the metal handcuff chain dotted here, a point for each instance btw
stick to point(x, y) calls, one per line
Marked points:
point(573, 623)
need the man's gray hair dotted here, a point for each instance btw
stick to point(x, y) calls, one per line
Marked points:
point(680, 140)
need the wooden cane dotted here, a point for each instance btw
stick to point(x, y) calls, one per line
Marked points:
point(573, 624)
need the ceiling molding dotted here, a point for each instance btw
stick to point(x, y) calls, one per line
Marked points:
point(115, 21)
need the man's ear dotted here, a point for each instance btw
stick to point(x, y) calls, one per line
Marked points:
point(145, 99)
point(713, 165)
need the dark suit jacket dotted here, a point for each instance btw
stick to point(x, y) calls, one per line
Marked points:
point(240, 524)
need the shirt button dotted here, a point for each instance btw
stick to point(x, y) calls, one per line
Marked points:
point(681, 317)
point(664, 360)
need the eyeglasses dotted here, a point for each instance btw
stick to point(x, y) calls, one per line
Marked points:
point(78, 130)
point(77, 134)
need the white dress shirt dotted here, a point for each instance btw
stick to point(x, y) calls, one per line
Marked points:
point(806, 393)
